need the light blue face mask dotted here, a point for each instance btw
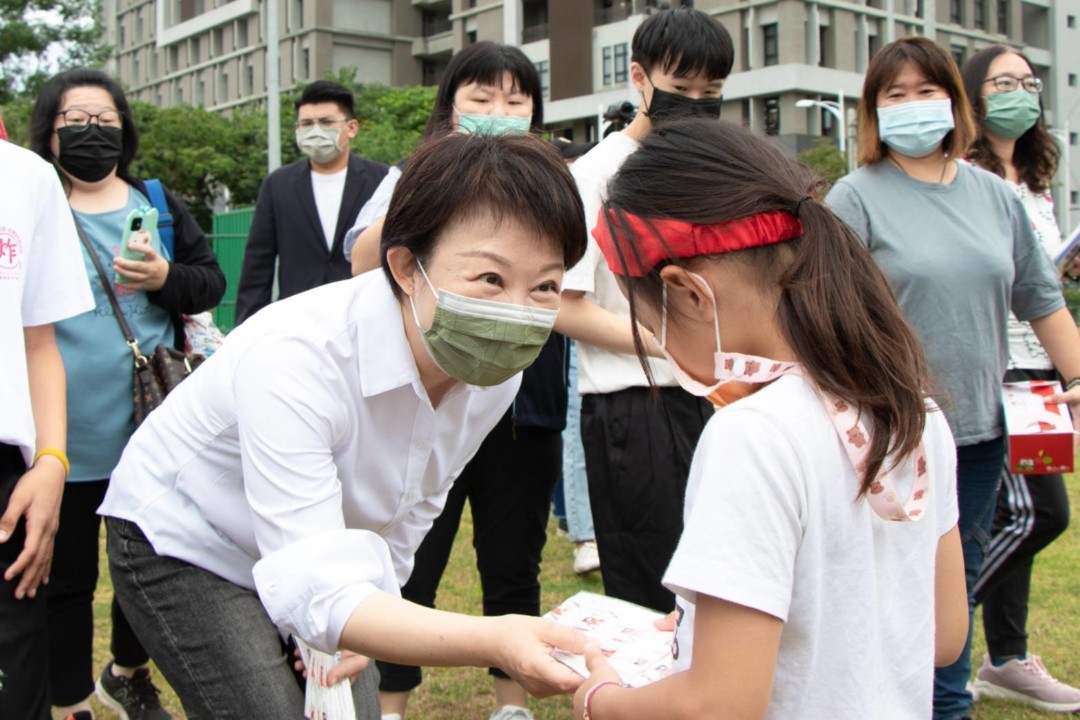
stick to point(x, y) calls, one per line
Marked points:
point(474, 124)
point(915, 129)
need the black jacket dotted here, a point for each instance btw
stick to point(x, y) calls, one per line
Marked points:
point(195, 282)
point(286, 228)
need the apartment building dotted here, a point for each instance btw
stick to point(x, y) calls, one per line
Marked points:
point(788, 52)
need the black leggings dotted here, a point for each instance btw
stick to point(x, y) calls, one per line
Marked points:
point(70, 601)
point(508, 485)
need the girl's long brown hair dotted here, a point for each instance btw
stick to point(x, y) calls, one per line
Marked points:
point(836, 309)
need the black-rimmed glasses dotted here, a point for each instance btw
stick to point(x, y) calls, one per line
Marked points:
point(80, 119)
point(1008, 83)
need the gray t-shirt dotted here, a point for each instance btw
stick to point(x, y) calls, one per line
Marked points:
point(959, 257)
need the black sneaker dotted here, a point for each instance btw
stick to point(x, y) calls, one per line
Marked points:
point(133, 698)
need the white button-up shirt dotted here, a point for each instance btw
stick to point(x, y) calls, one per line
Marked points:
point(304, 459)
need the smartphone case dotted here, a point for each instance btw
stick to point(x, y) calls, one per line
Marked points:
point(141, 225)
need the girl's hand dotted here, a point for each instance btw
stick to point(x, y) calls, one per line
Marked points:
point(524, 653)
point(350, 666)
point(146, 274)
point(599, 671)
point(666, 623)
point(1072, 399)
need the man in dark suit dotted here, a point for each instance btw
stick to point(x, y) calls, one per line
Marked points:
point(305, 208)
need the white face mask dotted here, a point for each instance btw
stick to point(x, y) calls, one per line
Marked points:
point(727, 367)
point(319, 143)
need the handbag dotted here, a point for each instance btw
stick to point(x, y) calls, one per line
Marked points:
point(155, 376)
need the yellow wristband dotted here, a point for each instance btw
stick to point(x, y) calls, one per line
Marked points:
point(58, 454)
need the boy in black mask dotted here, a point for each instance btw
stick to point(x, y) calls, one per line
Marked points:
point(637, 447)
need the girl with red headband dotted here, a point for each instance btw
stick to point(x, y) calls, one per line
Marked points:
point(820, 515)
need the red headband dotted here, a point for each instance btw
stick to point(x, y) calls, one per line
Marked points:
point(657, 240)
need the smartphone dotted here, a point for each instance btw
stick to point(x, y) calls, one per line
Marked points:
point(140, 228)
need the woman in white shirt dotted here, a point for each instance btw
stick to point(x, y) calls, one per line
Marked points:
point(285, 486)
point(1032, 510)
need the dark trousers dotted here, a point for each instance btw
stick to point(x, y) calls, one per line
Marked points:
point(70, 603)
point(1031, 512)
point(508, 485)
point(212, 639)
point(638, 447)
point(24, 657)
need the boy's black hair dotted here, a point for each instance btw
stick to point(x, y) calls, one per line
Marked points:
point(324, 91)
point(685, 42)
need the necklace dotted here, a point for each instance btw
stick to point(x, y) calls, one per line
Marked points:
point(944, 168)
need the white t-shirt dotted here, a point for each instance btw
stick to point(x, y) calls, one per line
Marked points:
point(601, 371)
point(771, 523)
point(376, 207)
point(1025, 350)
point(304, 459)
point(328, 190)
point(42, 278)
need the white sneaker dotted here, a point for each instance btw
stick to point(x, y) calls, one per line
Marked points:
point(586, 557)
point(391, 716)
point(1028, 682)
point(511, 712)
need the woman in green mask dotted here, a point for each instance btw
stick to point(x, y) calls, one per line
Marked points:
point(285, 487)
point(1032, 510)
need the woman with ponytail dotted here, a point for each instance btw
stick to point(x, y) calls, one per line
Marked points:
point(960, 254)
point(820, 516)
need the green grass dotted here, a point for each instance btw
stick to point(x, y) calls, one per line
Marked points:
point(466, 693)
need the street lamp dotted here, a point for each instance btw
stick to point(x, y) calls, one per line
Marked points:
point(836, 109)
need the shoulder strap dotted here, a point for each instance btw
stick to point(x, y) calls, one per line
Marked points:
point(129, 338)
point(165, 218)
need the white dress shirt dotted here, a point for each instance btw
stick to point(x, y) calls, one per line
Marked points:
point(304, 459)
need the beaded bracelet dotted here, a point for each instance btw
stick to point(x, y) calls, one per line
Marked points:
point(1070, 384)
point(586, 713)
point(58, 454)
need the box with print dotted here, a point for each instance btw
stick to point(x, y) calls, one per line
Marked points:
point(1040, 431)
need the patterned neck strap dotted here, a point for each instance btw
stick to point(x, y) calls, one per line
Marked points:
point(853, 434)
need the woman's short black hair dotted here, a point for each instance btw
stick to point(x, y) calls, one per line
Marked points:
point(684, 42)
point(455, 176)
point(48, 103)
point(326, 91)
point(485, 63)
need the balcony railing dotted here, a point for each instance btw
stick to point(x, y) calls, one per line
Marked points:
point(534, 33)
point(616, 13)
point(437, 27)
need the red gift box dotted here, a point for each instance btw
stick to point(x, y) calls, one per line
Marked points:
point(1040, 432)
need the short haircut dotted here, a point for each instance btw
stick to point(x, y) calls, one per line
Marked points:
point(326, 91)
point(485, 63)
point(684, 42)
point(51, 97)
point(1036, 153)
point(457, 176)
point(939, 67)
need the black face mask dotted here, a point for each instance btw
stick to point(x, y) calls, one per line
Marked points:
point(672, 106)
point(89, 154)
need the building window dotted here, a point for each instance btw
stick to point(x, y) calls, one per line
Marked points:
point(296, 15)
point(874, 42)
point(470, 37)
point(240, 34)
point(135, 79)
point(620, 63)
point(1072, 138)
point(607, 66)
point(249, 80)
point(823, 44)
point(956, 14)
point(174, 58)
point(1074, 197)
point(958, 53)
point(544, 71)
point(772, 116)
point(218, 42)
point(980, 14)
point(221, 87)
point(195, 52)
point(200, 92)
point(305, 62)
point(1072, 79)
point(428, 73)
point(1003, 17)
point(120, 33)
point(154, 66)
point(178, 94)
point(1070, 22)
point(138, 26)
point(770, 34)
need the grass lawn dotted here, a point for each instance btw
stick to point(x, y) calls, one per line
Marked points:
point(466, 694)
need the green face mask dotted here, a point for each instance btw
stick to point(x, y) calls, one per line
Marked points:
point(482, 342)
point(1011, 114)
point(493, 124)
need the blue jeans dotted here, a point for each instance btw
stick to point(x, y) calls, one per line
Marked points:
point(978, 474)
point(211, 639)
point(579, 521)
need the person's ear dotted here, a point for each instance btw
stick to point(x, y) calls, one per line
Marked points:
point(352, 128)
point(402, 265)
point(687, 295)
point(638, 77)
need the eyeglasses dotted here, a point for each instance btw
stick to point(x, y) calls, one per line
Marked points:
point(1008, 83)
point(325, 123)
point(80, 119)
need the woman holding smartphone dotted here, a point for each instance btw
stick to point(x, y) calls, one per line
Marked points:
point(82, 124)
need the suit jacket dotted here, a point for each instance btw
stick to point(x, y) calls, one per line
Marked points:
point(286, 228)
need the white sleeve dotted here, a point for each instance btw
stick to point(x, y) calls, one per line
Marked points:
point(405, 539)
point(745, 516)
point(313, 571)
point(582, 277)
point(376, 206)
point(941, 451)
point(56, 285)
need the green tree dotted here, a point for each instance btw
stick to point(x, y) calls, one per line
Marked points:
point(33, 32)
point(825, 159)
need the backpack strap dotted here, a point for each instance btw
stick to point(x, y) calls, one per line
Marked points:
point(165, 218)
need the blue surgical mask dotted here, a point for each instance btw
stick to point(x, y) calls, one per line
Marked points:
point(915, 129)
point(475, 124)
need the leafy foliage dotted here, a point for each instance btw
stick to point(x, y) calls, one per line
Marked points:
point(826, 159)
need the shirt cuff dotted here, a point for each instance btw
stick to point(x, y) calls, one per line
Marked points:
point(311, 587)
